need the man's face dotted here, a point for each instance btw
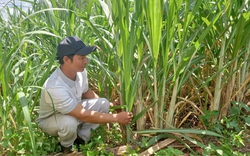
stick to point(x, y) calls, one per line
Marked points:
point(79, 63)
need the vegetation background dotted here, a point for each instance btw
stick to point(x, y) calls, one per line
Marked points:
point(180, 66)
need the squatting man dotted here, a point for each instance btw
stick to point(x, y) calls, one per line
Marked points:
point(69, 109)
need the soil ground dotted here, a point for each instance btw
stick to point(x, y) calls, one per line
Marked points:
point(120, 150)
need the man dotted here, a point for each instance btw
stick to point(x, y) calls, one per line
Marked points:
point(69, 108)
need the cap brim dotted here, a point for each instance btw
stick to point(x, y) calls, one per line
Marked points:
point(86, 50)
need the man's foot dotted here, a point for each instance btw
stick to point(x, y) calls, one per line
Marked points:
point(66, 150)
point(79, 141)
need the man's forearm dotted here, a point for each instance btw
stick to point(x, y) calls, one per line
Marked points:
point(90, 94)
point(100, 118)
point(97, 117)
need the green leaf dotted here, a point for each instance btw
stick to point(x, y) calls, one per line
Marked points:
point(247, 120)
point(26, 113)
point(195, 131)
point(235, 110)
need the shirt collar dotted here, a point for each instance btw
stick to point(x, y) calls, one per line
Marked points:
point(67, 80)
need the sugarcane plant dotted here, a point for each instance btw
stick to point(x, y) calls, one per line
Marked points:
point(166, 61)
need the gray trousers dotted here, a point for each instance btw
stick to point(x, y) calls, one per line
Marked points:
point(68, 127)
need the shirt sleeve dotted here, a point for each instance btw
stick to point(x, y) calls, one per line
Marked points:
point(85, 83)
point(61, 99)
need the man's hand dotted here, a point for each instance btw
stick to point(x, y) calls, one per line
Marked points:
point(124, 117)
point(115, 103)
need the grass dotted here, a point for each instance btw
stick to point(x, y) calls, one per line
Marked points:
point(168, 62)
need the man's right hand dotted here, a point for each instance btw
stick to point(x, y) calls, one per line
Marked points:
point(124, 117)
